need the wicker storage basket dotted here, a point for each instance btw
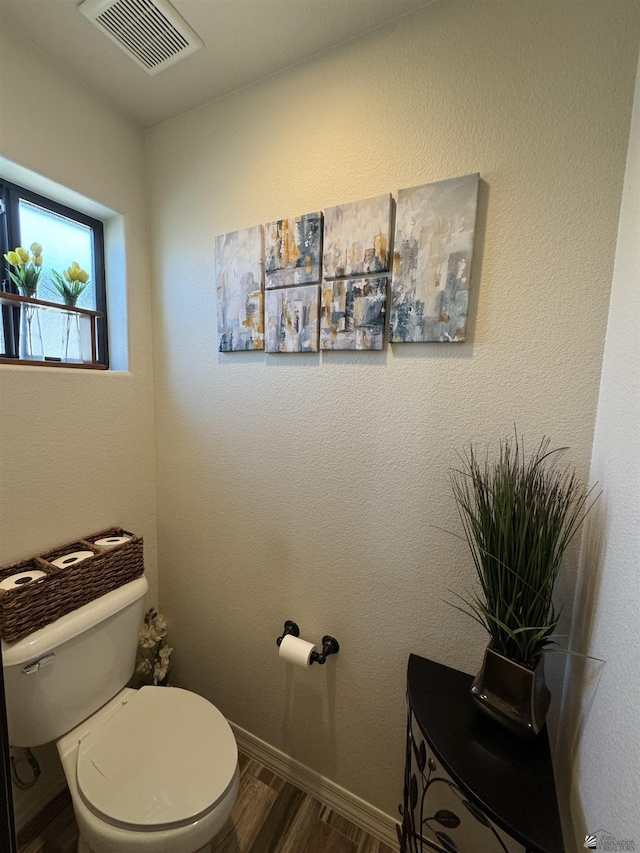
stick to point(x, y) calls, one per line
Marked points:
point(63, 589)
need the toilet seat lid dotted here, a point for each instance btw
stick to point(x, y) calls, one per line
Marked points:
point(164, 759)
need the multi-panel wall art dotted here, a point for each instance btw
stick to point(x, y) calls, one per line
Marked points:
point(239, 266)
point(435, 226)
point(291, 318)
point(293, 251)
point(353, 313)
point(357, 237)
point(325, 279)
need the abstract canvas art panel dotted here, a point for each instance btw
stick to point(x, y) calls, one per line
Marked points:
point(357, 237)
point(433, 250)
point(293, 249)
point(239, 274)
point(291, 319)
point(353, 313)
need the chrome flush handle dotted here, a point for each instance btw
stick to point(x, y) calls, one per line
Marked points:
point(45, 660)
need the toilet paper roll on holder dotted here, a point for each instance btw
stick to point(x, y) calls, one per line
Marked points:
point(330, 645)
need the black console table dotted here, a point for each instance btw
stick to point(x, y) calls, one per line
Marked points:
point(467, 780)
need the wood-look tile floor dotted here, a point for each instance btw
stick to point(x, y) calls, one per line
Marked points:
point(270, 816)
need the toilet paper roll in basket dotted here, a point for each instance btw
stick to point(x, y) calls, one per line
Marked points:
point(296, 651)
point(110, 542)
point(19, 580)
point(71, 559)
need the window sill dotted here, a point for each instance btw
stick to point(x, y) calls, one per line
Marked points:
point(86, 329)
point(65, 364)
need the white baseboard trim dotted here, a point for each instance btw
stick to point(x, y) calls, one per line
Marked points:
point(373, 820)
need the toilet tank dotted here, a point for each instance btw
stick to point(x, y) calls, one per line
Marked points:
point(58, 676)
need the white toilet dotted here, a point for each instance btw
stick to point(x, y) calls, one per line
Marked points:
point(153, 770)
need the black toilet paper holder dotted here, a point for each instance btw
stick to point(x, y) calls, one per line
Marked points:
point(330, 645)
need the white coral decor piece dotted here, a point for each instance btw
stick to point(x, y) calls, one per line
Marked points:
point(153, 650)
point(161, 666)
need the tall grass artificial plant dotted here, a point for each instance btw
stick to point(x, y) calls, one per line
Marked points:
point(519, 515)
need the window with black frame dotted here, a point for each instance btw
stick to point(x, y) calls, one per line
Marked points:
point(53, 282)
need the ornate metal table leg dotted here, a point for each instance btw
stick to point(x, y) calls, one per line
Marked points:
point(421, 830)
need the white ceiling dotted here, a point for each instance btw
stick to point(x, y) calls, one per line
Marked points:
point(245, 40)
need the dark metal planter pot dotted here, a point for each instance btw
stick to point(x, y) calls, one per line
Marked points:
point(512, 695)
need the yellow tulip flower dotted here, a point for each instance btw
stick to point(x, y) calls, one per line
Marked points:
point(23, 255)
point(70, 283)
point(76, 273)
point(13, 259)
point(37, 261)
point(36, 249)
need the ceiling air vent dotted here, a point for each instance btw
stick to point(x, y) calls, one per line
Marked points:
point(150, 31)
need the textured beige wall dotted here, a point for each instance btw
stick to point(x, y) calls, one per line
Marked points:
point(602, 711)
point(77, 446)
point(309, 487)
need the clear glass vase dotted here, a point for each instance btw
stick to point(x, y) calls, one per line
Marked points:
point(31, 347)
point(72, 343)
